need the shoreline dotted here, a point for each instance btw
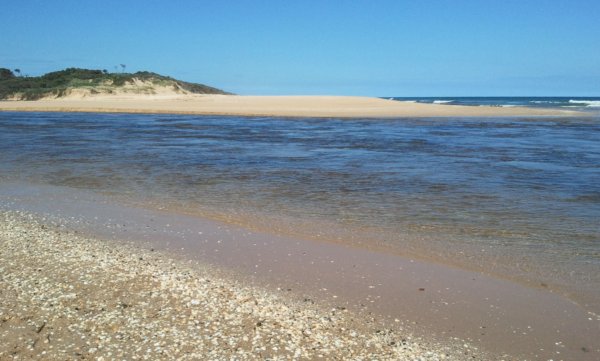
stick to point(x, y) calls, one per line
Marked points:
point(491, 314)
point(70, 296)
point(281, 106)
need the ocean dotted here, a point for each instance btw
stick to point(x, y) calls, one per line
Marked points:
point(517, 198)
point(573, 103)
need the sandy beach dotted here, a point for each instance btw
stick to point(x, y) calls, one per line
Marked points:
point(285, 106)
point(100, 278)
point(68, 296)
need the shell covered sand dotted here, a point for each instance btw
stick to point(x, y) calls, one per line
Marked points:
point(67, 296)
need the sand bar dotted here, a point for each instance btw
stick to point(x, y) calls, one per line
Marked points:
point(286, 106)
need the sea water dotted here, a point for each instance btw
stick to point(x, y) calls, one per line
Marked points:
point(572, 103)
point(514, 197)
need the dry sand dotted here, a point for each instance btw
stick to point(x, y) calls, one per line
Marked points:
point(64, 296)
point(287, 106)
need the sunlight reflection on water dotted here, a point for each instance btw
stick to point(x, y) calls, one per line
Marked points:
point(514, 191)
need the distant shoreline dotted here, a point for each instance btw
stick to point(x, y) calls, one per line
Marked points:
point(284, 106)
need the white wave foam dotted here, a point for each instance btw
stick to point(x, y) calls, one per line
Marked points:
point(442, 101)
point(588, 103)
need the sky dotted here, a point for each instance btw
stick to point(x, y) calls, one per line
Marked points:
point(370, 47)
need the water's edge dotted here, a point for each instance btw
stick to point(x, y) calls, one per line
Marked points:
point(499, 316)
point(515, 198)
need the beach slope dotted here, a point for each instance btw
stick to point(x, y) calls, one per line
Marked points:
point(65, 297)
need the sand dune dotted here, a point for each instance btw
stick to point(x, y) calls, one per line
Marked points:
point(292, 106)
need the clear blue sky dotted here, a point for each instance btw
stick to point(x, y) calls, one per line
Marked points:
point(377, 48)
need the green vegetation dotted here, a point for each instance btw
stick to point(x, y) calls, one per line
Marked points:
point(6, 74)
point(96, 81)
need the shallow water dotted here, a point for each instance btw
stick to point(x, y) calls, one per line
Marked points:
point(519, 198)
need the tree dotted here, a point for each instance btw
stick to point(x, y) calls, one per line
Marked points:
point(104, 71)
point(123, 68)
point(18, 71)
point(6, 74)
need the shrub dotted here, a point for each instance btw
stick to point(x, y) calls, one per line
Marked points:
point(57, 82)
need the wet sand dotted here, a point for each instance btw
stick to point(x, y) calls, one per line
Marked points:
point(286, 106)
point(65, 296)
point(445, 304)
